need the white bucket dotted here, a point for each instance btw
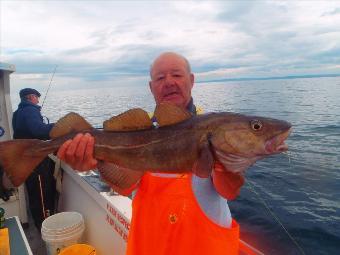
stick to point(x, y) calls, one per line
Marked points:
point(61, 230)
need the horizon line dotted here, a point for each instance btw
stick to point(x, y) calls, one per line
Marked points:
point(273, 78)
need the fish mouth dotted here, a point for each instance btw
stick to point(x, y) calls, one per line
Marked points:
point(277, 143)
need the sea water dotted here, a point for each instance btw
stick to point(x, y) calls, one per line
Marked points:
point(290, 203)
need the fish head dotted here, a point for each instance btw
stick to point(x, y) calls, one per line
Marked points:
point(241, 140)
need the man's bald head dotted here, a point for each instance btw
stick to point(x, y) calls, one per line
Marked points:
point(168, 55)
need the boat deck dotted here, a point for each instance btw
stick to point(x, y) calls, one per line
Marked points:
point(34, 238)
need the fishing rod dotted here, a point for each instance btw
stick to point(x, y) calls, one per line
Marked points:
point(276, 218)
point(49, 86)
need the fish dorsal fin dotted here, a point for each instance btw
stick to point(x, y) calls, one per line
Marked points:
point(134, 119)
point(169, 114)
point(71, 122)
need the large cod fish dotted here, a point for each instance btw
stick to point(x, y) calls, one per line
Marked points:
point(181, 143)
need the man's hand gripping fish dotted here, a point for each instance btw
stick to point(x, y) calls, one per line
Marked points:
point(181, 144)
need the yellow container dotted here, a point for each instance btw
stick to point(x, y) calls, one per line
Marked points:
point(4, 242)
point(78, 249)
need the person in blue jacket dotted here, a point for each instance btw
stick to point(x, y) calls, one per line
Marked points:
point(28, 123)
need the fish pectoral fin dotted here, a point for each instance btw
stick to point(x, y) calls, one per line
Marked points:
point(121, 179)
point(71, 122)
point(227, 184)
point(169, 114)
point(203, 166)
point(133, 119)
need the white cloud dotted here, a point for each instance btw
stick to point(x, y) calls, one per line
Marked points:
point(100, 41)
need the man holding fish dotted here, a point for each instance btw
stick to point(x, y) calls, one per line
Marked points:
point(180, 166)
point(173, 213)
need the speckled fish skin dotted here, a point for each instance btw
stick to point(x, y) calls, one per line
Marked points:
point(234, 140)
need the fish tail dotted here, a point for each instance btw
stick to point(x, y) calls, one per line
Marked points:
point(17, 163)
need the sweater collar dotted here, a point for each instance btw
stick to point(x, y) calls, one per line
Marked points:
point(191, 107)
point(25, 103)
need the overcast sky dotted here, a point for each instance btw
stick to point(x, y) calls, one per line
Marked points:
point(109, 43)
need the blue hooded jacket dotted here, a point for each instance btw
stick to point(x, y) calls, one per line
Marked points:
point(28, 122)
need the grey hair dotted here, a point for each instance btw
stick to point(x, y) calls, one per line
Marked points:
point(174, 53)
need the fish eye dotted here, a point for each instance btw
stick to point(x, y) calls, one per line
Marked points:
point(256, 125)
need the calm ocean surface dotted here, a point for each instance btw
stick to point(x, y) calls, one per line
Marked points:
point(301, 189)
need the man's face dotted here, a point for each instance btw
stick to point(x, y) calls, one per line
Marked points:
point(34, 99)
point(171, 80)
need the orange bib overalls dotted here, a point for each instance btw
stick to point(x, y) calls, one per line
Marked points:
point(167, 220)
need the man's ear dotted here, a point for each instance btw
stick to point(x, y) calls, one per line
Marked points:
point(192, 79)
point(30, 98)
point(150, 86)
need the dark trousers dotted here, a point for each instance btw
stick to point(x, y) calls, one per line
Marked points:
point(41, 190)
point(4, 193)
